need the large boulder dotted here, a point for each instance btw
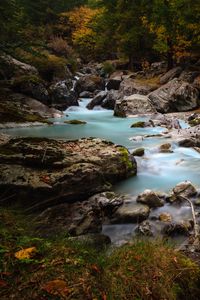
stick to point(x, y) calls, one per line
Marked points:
point(89, 83)
point(39, 172)
point(11, 67)
point(97, 100)
point(110, 99)
point(62, 95)
point(114, 80)
point(131, 86)
point(171, 74)
point(31, 86)
point(176, 95)
point(133, 105)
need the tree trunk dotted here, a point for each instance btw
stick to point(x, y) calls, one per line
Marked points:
point(170, 54)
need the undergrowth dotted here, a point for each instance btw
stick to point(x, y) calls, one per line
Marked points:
point(64, 269)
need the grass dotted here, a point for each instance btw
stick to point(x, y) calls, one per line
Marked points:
point(62, 269)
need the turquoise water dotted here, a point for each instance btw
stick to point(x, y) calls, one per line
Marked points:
point(158, 171)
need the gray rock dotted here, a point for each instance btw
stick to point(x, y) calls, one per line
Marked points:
point(173, 229)
point(89, 83)
point(86, 94)
point(62, 95)
point(114, 82)
point(185, 189)
point(41, 172)
point(133, 105)
point(130, 86)
point(144, 229)
point(176, 95)
point(150, 198)
point(171, 74)
point(31, 86)
point(130, 212)
point(97, 100)
point(11, 67)
point(110, 99)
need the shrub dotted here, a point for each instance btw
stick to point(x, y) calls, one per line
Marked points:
point(108, 68)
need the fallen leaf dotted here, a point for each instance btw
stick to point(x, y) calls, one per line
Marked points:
point(3, 283)
point(95, 268)
point(56, 287)
point(26, 253)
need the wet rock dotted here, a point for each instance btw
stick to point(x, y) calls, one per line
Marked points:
point(75, 122)
point(185, 189)
point(171, 74)
point(108, 202)
point(97, 100)
point(196, 82)
point(166, 148)
point(144, 229)
point(133, 105)
point(150, 198)
point(197, 202)
point(164, 121)
point(138, 152)
point(176, 95)
point(62, 95)
point(130, 212)
point(41, 172)
point(139, 124)
point(86, 94)
point(173, 229)
point(110, 99)
point(89, 83)
point(165, 217)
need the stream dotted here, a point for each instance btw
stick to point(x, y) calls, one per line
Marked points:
point(156, 171)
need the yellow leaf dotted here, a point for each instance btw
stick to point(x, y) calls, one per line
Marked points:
point(26, 253)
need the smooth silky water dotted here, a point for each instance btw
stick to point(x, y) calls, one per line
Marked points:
point(157, 171)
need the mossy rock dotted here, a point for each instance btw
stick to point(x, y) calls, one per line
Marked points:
point(138, 152)
point(20, 81)
point(139, 124)
point(195, 122)
point(75, 122)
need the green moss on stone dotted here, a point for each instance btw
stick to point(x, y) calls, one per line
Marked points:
point(126, 159)
point(75, 122)
point(139, 124)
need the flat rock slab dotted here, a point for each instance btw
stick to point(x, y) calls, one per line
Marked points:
point(39, 172)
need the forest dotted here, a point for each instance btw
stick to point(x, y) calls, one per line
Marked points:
point(99, 150)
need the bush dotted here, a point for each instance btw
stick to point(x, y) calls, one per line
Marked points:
point(108, 68)
point(60, 46)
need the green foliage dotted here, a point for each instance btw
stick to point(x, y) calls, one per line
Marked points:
point(108, 68)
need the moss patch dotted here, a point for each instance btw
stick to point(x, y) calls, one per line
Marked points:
point(75, 122)
point(125, 157)
point(139, 124)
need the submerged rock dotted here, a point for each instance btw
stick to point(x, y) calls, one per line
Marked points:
point(75, 122)
point(40, 173)
point(97, 100)
point(138, 152)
